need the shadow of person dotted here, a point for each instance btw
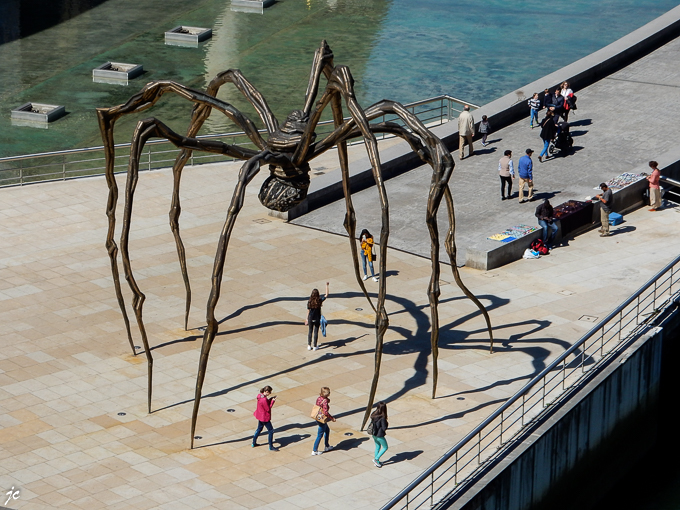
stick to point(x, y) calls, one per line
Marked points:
point(289, 440)
point(581, 122)
point(623, 230)
point(400, 457)
point(350, 444)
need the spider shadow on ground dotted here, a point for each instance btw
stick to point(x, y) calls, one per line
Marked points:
point(401, 457)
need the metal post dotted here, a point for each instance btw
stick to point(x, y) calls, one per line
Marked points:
point(432, 489)
point(455, 473)
point(543, 391)
point(21, 172)
point(637, 313)
point(63, 167)
point(523, 399)
point(502, 412)
point(583, 359)
point(564, 373)
point(149, 153)
point(620, 324)
point(479, 448)
point(602, 342)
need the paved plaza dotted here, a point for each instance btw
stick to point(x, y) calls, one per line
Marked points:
point(67, 373)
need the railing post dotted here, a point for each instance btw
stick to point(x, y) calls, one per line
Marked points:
point(455, 472)
point(523, 399)
point(149, 153)
point(502, 412)
point(602, 342)
point(543, 391)
point(564, 373)
point(63, 167)
point(21, 172)
point(432, 488)
point(479, 448)
point(583, 358)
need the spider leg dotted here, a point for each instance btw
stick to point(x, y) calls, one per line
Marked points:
point(106, 127)
point(146, 129)
point(198, 116)
point(141, 101)
point(341, 82)
point(450, 245)
point(350, 222)
point(249, 169)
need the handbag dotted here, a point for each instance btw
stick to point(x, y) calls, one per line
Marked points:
point(370, 430)
point(318, 414)
point(373, 256)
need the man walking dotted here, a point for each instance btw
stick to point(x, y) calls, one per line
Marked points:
point(605, 199)
point(507, 172)
point(466, 130)
point(525, 169)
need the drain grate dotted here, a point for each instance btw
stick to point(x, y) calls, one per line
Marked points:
point(588, 318)
point(262, 220)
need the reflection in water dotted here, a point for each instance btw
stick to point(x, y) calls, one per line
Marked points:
point(275, 50)
point(22, 18)
point(396, 49)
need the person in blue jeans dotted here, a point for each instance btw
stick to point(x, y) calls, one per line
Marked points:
point(323, 401)
point(535, 105)
point(366, 240)
point(379, 420)
point(544, 213)
point(548, 133)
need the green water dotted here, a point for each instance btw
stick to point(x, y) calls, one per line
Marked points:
point(396, 49)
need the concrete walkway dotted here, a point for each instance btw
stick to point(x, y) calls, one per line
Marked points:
point(622, 122)
point(66, 372)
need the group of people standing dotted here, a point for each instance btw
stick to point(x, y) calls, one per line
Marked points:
point(377, 427)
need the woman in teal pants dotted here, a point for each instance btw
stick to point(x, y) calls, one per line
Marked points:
point(379, 419)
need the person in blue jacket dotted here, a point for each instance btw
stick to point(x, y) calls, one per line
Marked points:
point(526, 176)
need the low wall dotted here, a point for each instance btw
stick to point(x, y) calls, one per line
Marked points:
point(587, 441)
point(502, 112)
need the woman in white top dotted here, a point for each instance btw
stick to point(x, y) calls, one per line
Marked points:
point(566, 93)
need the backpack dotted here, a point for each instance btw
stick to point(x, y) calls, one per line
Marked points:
point(539, 246)
point(370, 430)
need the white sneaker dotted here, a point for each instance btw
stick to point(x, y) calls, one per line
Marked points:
point(316, 348)
point(317, 453)
point(375, 279)
point(328, 449)
point(309, 347)
point(365, 277)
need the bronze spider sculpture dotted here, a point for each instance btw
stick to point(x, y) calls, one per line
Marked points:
point(288, 150)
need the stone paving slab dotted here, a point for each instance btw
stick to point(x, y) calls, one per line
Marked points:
point(621, 123)
point(66, 371)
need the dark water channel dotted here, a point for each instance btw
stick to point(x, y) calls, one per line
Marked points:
point(23, 18)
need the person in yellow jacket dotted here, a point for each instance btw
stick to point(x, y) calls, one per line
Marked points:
point(367, 252)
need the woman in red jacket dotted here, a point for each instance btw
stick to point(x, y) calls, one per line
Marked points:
point(263, 413)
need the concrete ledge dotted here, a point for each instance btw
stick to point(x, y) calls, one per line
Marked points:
point(501, 112)
point(187, 36)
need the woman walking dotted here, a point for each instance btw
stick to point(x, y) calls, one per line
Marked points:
point(548, 131)
point(263, 413)
point(366, 240)
point(379, 421)
point(323, 417)
point(313, 319)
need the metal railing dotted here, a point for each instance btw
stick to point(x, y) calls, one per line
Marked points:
point(629, 319)
point(69, 164)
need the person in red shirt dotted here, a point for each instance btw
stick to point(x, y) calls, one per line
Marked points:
point(654, 190)
point(263, 413)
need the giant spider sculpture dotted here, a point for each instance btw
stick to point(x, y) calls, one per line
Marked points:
point(288, 150)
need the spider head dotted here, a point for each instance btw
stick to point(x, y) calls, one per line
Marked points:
point(289, 134)
point(284, 188)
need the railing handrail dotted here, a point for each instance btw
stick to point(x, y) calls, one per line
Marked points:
point(527, 387)
point(210, 136)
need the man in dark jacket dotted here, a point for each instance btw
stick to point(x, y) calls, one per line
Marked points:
point(544, 213)
point(557, 103)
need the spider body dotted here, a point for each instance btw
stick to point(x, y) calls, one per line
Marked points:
point(287, 151)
